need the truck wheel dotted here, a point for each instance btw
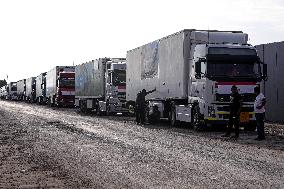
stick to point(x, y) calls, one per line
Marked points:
point(108, 112)
point(173, 120)
point(250, 127)
point(99, 112)
point(196, 119)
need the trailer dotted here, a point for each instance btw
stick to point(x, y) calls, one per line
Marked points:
point(273, 88)
point(31, 90)
point(60, 86)
point(41, 88)
point(21, 89)
point(100, 85)
point(193, 72)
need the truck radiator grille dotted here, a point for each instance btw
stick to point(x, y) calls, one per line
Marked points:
point(226, 97)
point(227, 109)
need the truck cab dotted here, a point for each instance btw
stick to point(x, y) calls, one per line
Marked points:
point(65, 89)
point(12, 91)
point(215, 69)
point(115, 98)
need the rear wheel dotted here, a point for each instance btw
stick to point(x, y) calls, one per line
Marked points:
point(108, 112)
point(250, 127)
point(197, 122)
point(173, 120)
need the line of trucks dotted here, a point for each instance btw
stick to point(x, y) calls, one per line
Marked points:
point(191, 70)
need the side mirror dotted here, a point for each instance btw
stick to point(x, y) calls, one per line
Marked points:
point(198, 70)
point(264, 72)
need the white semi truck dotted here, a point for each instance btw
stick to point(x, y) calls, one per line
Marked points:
point(193, 72)
point(100, 86)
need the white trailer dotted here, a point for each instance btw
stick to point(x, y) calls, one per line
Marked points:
point(31, 89)
point(21, 89)
point(41, 88)
point(191, 72)
point(100, 85)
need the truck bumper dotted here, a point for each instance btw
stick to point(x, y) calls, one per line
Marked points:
point(222, 118)
point(67, 101)
point(225, 122)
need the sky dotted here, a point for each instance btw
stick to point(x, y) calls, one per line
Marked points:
point(37, 35)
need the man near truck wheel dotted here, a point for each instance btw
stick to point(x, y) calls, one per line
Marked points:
point(259, 110)
point(140, 110)
point(235, 110)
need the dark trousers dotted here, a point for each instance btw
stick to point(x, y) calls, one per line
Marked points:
point(140, 115)
point(260, 124)
point(234, 120)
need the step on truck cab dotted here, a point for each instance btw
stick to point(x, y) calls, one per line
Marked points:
point(193, 72)
point(60, 86)
point(101, 86)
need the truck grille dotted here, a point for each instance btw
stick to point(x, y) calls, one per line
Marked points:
point(247, 97)
point(227, 109)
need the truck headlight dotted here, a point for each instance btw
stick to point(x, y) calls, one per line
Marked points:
point(211, 111)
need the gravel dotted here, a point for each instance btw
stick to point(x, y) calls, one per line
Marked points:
point(60, 148)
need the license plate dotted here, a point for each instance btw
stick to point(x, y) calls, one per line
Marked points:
point(244, 117)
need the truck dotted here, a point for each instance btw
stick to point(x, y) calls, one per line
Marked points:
point(41, 88)
point(31, 90)
point(193, 72)
point(3, 92)
point(21, 89)
point(60, 86)
point(100, 85)
point(12, 91)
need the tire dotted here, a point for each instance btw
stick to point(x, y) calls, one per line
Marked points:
point(250, 127)
point(196, 119)
point(99, 112)
point(173, 120)
point(108, 113)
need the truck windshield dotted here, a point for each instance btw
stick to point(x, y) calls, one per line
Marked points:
point(228, 63)
point(67, 82)
point(118, 77)
point(236, 70)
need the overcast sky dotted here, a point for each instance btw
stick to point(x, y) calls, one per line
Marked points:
point(36, 35)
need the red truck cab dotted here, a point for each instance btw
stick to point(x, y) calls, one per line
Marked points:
point(66, 89)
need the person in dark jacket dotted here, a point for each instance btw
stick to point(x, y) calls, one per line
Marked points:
point(140, 110)
point(235, 110)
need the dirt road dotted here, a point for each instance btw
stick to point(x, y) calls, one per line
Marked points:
point(42, 147)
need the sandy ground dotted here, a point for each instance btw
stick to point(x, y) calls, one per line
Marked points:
point(42, 147)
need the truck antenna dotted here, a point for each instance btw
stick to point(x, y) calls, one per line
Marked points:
point(208, 35)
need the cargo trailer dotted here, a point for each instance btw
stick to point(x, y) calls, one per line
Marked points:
point(41, 88)
point(21, 89)
point(31, 89)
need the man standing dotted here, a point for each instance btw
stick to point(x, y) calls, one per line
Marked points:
point(259, 110)
point(140, 110)
point(235, 110)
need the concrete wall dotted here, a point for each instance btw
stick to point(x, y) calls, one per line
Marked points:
point(273, 55)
